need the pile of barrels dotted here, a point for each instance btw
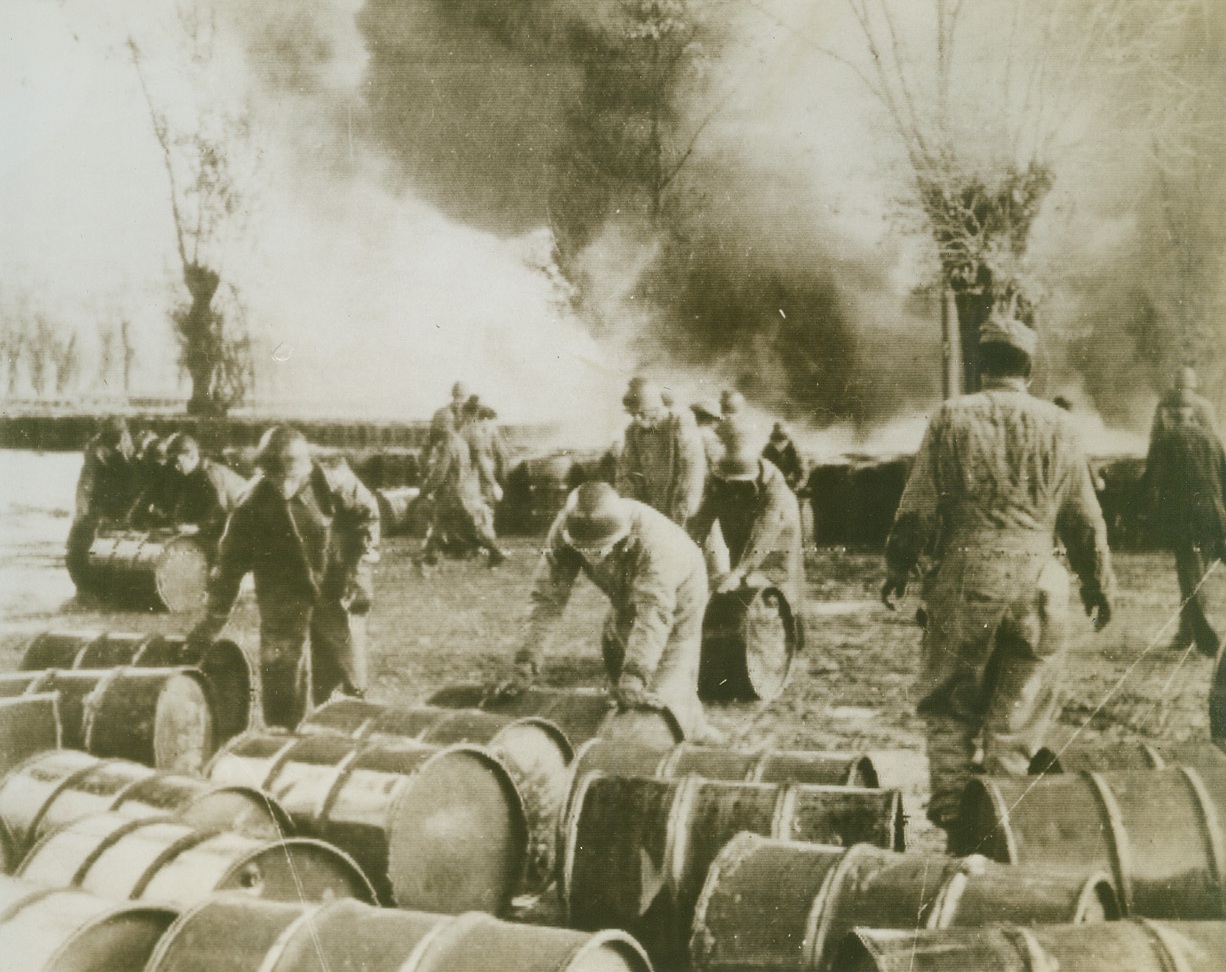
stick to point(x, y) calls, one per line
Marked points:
point(543, 829)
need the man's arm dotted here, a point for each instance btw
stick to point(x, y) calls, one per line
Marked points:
point(85, 485)
point(653, 595)
point(357, 504)
point(916, 520)
point(552, 584)
point(781, 510)
point(699, 525)
point(1082, 529)
point(629, 478)
point(234, 560)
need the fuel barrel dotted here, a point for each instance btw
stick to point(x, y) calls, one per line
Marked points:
point(749, 640)
point(161, 569)
point(28, 724)
point(1099, 756)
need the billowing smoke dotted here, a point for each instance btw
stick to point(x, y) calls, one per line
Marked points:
point(436, 201)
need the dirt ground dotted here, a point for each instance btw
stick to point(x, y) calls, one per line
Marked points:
point(850, 691)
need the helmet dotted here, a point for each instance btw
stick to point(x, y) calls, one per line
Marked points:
point(596, 517)
point(642, 396)
point(459, 391)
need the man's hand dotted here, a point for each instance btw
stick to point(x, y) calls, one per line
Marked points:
point(496, 492)
point(731, 582)
point(895, 586)
point(631, 693)
point(1098, 607)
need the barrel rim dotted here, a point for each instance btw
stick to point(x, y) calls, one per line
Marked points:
point(821, 914)
point(551, 729)
point(1211, 821)
point(146, 640)
point(569, 837)
point(287, 843)
point(1098, 887)
point(984, 793)
point(27, 698)
point(87, 636)
point(227, 750)
point(181, 541)
point(506, 782)
point(277, 813)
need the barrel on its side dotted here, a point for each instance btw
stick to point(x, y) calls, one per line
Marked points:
point(222, 662)
point(232, 934)
point(581, 713)
point(1099, 756)
point(636, 851)
point(1158, 832)
point(749, 639)
point(1138, 946)
point(441, 829)
point(161, 717)
point(28, 724)
point(783, 906)
point(687, 759)
point(158, 569)
point(160, 859)
point(535, 751)
point(55, 788)
point(54, 930)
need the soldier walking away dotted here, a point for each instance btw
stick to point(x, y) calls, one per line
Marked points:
point(662, 462)
point(656, 582)
point(999, 476)
point(461, 518)
point(781, 451)
point(759, 517)
point(449, 417)
point(489, 454)
point(1185, 479)
point(203, 492)
point(106, 491)
point(310, 535)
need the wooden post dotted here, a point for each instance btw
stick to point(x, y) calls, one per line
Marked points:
point(951, 346)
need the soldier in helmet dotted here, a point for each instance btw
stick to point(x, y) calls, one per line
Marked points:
point(662, 462)
point(782, 453)
point(106, 491)
point(203, 492)
point(450, 416)
point(309, 534)
point(656, 582)
point(1000, 476)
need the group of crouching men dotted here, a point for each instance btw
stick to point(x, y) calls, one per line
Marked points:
point(999, 506)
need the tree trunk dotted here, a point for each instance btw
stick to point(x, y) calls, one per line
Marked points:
point(973, 310)
point(200, 351)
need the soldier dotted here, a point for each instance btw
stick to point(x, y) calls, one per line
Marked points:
point(309, 534)
point(449, 417)
point(707, 419)
point(203, 493)
point(998, 477)
point(662, 462)
point(1185, 477)
point(656, 582)
point(462, 519)
point(731, 404)
point(759, 517)
point(485, 442)
point(106, 490)
point(781, 452)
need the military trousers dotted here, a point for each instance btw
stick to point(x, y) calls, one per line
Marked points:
point(1191, 565)
point(308, 649)
point(993, 657)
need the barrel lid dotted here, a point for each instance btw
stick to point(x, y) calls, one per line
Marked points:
point(294, 869)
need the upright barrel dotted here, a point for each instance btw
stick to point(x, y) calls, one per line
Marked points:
point(54, 930)
point(164, 569)
point(222, 662)
point(782, 906)
point(441, 829)
point(55, 788)
point(749, 640)
point(400, 513)
point(1116, 946)
point(1158, 832)
point(535, 751)
point(636, 851)
point(233, 934)
point(687, 759)
point(28, 724)
point(160, 859)
point(162, 717)
point(1099, 756)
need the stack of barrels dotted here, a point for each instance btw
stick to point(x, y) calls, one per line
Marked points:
point(544, 829)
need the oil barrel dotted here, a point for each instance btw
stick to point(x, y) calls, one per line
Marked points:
point(1138, 946)
point(161, 717)
point(28, 724)
point(782, 905)
point(436, 828)
point(161, 859)
point(160, 569)
point(235, 934)
point(54, 788)
point(1101, 756)
point(56, 930)
point(749, 640)
point(636, 851)
point(535, 751)
point(1157, 832)
point(223, 662)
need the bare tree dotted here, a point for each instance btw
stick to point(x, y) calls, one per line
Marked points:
point(66, 354)
point(204, 201)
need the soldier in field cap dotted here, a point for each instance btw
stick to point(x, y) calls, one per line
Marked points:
point(1000, 476)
